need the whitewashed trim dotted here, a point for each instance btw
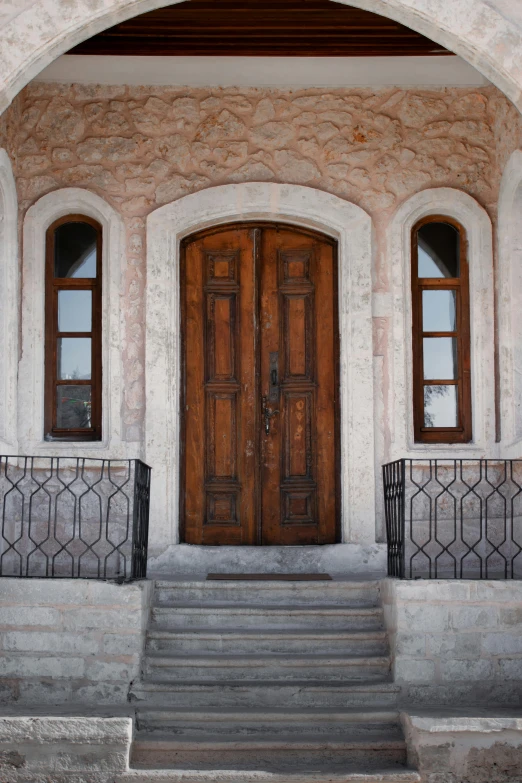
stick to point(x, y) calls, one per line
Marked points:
point(9, 304)
point(461, 207)
point(264, 71)
point(300, 206)
point(509, 303)
point(31, 372)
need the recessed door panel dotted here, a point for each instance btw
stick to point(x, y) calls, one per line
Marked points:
point(259, 405)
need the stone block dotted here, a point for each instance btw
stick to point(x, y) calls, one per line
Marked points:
point(501, 643)
point(29, 616)
point(101, 693)
point(497, 591)
point(29, 666)
point(414, 671)
point(511, 617)
point(98, 671)
point(36, 641)
point(44, 592)
point(452, 669)
point(416, 618)
point(474, 617)
point(510, 668)
point(101, 619)
point(45, 691)
point(122, 644)
point(456, 645)
point(410, 644)
point(435, 590)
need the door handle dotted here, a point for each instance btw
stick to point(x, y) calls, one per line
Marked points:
point(267, 414)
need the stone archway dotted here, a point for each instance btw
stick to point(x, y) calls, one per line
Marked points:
point(33, 33)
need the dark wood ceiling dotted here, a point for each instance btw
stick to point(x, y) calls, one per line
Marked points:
point(290, 28)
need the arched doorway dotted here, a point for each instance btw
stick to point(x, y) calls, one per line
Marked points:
point(259, 400)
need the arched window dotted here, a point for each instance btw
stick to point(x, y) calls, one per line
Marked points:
point(73, 290)
point(441, 332)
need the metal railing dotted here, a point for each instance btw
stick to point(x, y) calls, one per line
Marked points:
point(74, 517)
point(454, 519)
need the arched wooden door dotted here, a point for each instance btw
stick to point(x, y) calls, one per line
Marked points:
point(259, 435)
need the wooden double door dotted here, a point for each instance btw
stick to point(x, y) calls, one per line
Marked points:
point(259, 435)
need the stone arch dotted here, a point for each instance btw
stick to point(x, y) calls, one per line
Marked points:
point(31, 369)
point(293, 204)
point(40, 31)
point(475, 220)
point(9, 296)
point(510, 303)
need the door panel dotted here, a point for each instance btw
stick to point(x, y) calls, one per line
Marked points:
point(259, 434)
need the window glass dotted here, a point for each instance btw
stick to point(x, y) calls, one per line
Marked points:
point(440, 358)
point(74, 311)
point(440, 406)
point(438, 246)
point(73, 407)
point(74, 358)
point(439, 309)
point(75, 246)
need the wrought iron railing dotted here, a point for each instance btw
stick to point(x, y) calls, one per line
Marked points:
point(454, 519)
point(74, 517)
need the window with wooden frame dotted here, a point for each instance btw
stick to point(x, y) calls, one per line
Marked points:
point(441, 332)
point(73, 313)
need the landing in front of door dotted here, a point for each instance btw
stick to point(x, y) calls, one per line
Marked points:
point(336, 559)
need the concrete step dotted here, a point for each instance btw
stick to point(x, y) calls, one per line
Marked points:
point(393, 775)
point(348, 593)
point(255, 722)
point(252, 640)
point(213, 666)
point(272, 752)
point(264, 616)
point(256, 694)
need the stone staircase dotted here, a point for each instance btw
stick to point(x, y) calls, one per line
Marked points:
point(267, 681)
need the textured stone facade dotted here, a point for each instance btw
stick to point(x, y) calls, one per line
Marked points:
point(142, 147)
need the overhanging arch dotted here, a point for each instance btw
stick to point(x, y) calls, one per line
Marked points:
point(42, 30)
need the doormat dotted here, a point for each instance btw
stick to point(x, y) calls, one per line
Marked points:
point(271, 577)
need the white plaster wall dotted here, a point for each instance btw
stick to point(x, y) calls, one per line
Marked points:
point(296, 205)
point(9, 301)
point(31, 371)
point(486, 33)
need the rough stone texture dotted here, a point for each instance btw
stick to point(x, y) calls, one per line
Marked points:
point(63, 749)
point(455, 642)
point(141, 147)
point(468, 748)
point(69, 640)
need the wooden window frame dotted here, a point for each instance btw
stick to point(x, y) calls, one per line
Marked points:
point(52, 286)
point(462, 433)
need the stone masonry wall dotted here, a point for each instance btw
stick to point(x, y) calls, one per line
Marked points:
point(141, 147)
point(70, 641)
point(455, 642)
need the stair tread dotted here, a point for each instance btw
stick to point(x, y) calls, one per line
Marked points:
point(300, 633)
point(260, 608)
point(384, 685)
point(255, 713)
point(169, 775)
point(250, 658)
point(277, 740)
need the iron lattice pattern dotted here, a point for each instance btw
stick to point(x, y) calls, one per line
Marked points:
point(454, 519)
point(75, 518)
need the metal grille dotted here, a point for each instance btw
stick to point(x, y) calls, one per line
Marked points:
point(74, 517)
point(454, 519)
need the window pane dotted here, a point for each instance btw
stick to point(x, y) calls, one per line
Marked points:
point(440, 358)
point(440, 406)
point(74, 358)
point(439, 311)
point(74, 311)
point(75, 250)
point(73, 407)
point(438, 246)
